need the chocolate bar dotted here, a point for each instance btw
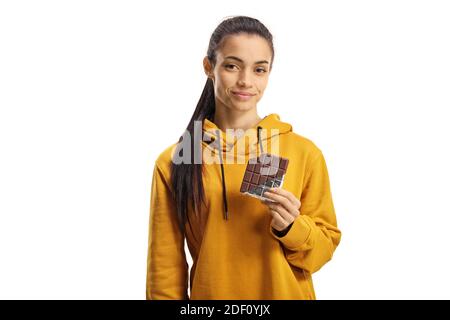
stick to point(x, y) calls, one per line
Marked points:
point(264, 172)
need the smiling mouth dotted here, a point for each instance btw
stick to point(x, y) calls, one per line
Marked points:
point(242, 94)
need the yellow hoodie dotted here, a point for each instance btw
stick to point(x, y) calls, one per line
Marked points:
point(241, 257)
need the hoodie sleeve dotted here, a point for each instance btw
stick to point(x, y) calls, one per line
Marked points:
point(167, 269)
point(313, 236)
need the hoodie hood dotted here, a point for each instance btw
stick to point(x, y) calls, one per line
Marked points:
point(269, 127)
point(219, 142)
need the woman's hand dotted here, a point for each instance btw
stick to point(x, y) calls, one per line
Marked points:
point(284, 210)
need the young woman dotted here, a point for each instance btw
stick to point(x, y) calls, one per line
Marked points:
point(242, 247)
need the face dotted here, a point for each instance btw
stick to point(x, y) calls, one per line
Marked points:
point(242, 66)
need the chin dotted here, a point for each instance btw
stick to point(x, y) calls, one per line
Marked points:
point(243, 106)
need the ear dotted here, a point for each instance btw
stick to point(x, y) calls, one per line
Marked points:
point(208, 68)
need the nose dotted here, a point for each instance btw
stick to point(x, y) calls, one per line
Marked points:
point(244, 78)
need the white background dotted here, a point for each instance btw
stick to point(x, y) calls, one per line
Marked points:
point(92, 91)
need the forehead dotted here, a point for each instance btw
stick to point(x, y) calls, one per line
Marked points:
point(249, 48)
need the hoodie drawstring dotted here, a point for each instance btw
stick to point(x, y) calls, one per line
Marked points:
point(259, 140)
point(224, 187)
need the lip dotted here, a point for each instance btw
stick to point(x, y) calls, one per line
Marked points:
point(243, 96)
point(242, 93)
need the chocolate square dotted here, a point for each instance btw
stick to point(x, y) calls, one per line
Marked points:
point(266, 172)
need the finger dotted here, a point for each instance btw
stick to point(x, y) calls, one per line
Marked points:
point(277, 221)
point(267, 201)
point(286, 215)
point(276, 226)
point(282, 200)
point(287, 194)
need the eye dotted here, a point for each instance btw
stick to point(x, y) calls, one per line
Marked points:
point(263, 70)
point(229, 65)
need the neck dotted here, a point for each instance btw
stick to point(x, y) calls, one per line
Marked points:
point(230, 119)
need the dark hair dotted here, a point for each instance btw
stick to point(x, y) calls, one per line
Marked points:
point(187, 178)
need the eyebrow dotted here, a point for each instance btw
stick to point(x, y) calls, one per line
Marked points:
point(240, 60)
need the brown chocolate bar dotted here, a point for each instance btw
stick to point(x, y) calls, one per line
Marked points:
point(262, 173)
